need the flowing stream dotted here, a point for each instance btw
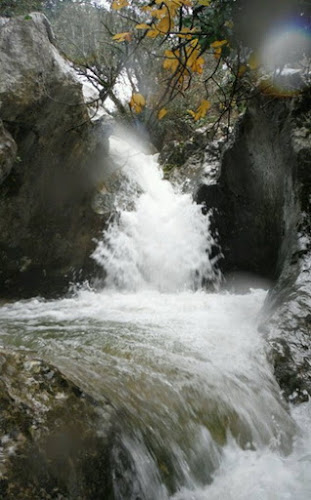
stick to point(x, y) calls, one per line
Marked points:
point(202, 416)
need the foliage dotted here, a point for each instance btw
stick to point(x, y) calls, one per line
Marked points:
point(108, 46)
point(194, 60)
point(191, 31)
point(192, 39)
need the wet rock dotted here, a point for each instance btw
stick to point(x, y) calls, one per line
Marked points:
point(262, 213)
point(7, 152)
point(288, 305)
point(193, 163)
point(47, 224)
point(55, 440)
point(251, 187)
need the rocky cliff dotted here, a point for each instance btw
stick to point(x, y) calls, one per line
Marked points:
point(262, 210)
point(55, 440)
point(50, 162)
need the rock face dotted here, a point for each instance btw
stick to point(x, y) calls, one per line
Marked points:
point(8, 151)
point(194, 163)
point(55, 440)
point(251, 187)
point(288, 305)
point(50, 164)
point(262, 213)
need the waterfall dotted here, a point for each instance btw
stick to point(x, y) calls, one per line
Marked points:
point(162, 241)
point(198, 414)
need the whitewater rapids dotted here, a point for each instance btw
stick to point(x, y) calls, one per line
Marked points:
point(204, 418)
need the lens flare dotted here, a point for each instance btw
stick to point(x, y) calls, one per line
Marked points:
point(283, 58)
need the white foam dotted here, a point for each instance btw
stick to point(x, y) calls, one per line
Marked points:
point(164, 242)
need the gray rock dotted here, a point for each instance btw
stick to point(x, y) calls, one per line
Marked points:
point(193, 163)
point(47, 224)
point(251, 188)
point(262, 213)
point(288, 305)
point(8, 151)
point(55, 440)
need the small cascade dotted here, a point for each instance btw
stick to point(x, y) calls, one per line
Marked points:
point(160, 238)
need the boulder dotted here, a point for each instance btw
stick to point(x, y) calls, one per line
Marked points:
point(193, 163)
point(287, 310)
point(51, 166)
point(262, 213)
point(250, 189)
point(55, 440)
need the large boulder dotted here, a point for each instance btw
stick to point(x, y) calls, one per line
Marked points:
point(251, 190)
point(51, 163)
point(55, 440)
point(262, 213)
point(287, 309)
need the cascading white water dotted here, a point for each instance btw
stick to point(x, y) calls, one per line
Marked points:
point(202, 417)
point(163, 242)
